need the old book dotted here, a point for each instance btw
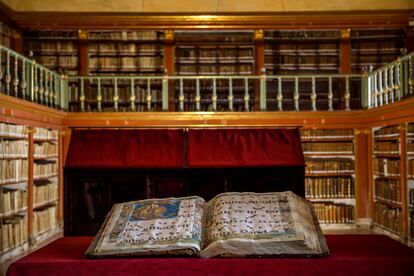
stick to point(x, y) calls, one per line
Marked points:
point(229, 225)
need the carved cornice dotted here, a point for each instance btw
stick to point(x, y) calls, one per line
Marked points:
point(310, 20)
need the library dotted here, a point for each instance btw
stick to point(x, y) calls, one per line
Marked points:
point(103, 103)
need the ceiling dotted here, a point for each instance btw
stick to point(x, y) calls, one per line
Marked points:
point(197, 6)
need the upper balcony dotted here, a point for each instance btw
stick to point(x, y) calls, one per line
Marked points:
point(23, 78)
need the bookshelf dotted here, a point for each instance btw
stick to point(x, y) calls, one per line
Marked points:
point(56, 50)
point(13, 188)
point(302, 52)
point(410, 180)
point(330, 174)
point(45, 180)
point(208, 53)
point(28, 187)
point(6, 34)
point(388, 201)
point(375, 47)
point(125, 52)
point(121, 53)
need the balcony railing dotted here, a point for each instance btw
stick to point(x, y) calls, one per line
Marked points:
point(23, 78)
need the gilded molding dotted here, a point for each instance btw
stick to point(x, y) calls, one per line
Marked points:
point(83, 34)
point(345, 33)
point(258, 35)
point(169, 35)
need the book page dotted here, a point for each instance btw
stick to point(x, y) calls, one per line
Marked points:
point(248, 215)
point(152, 225)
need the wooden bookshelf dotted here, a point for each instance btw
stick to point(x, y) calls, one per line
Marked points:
point(389, 179)
point(56, 50)
point(224, 53)
point(330, 173)
point(6, 34)
point(29, 187)
point(410, 179)
point(302, 52)
point(375, 47)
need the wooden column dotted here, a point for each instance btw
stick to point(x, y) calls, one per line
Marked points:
point(345, 62)
point(30, 182)
point(83, 53)
point(363, 166)
point(17, 42)
point(403, 182)
point(169, 65)
point(259, 65)
point(409, 39)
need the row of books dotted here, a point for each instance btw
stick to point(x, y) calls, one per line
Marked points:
point(47, 35)
point(328, 147)
point(237, 107)
point(45, 193)
point(58, 61)
point(44, 219)
point(46, 134)
point(58, 47)
point(410, 146)
point(13, 131)
point(374, 60)
point(387, 131)
point(303, 34)
point(323, 165)
point(15, 170)
point(329, 212)
point(300, 48)
point(388, 189)
point(217, 38)
point(387, 167)
point(215, 54)
point(45, 150)
point(124, 48)
point(124, 35)
point(13, 149)
point(6, 34)
point(411, 197)
point(388, 217)
point(379, 46)
point(193, 70)
point(13, 232)
point(12, 200)
point(387, 146)
point(411, 221)
point(302, 60)
point(45, 170)
point(125, 62)
point(326, 133)
point(329, 187)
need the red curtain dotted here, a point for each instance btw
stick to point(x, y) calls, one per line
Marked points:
point(128, 148)
point(244, 148)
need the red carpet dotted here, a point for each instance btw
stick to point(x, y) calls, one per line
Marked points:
point(350, 255)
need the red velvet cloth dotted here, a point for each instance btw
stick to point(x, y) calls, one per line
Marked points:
point(244, 148)
point(127, 148)
point(350, 255)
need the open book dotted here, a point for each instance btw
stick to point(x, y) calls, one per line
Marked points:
point(229, 225)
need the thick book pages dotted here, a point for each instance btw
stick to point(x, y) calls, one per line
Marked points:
point(229, 225)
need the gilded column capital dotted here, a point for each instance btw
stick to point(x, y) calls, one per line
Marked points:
point(345, 33)
point(83, 34)
point(258, 35)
